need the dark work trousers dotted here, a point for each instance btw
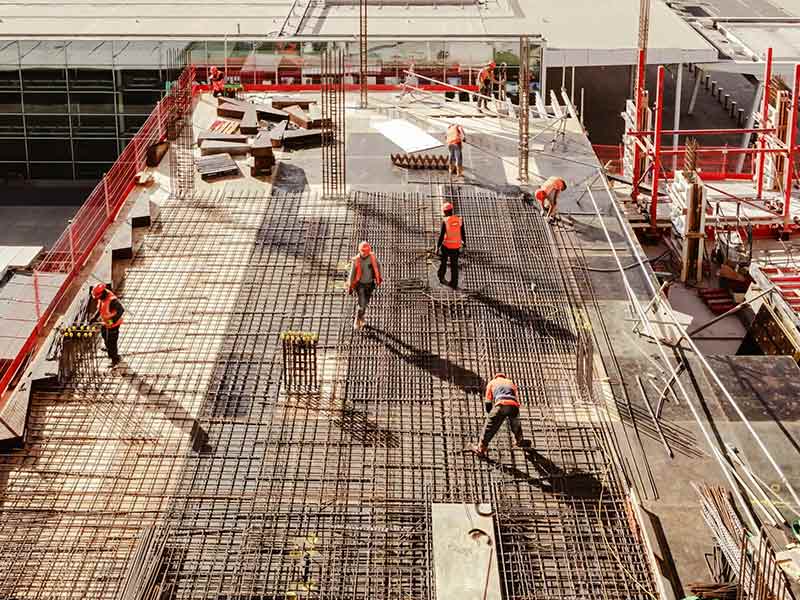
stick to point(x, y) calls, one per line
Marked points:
point(111, 339)
point(364, 293)
point(449, 254)
point(500, 413)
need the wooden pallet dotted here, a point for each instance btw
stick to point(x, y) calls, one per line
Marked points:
point(218, 165)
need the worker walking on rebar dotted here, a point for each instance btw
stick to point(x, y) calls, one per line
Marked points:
point(217, 81)
point(548, 193)
point(452, 239)
point(455, 140)
point(485, 83)
point(502, 403)
point(365, 276)
point(109, 313)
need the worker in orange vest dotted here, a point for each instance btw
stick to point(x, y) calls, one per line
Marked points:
point(502, 403)
point(365, 276)
point(452, 239)
point(455, 139)
point(485, 82)
point(548, 193)
point(217, 81)
point(109, 313)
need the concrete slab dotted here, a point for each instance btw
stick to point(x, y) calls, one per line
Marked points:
point(464, 552)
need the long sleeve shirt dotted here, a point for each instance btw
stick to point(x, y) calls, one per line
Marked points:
point(442, 231)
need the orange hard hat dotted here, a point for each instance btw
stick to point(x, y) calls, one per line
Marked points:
point(364, 248)
point(98, 290)
point(447, 207)
point(493, 64)
point(214, 69)
point(500, 375)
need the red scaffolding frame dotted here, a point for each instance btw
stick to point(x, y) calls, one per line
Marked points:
point(648, 153)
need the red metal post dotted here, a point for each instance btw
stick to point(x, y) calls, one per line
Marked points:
point(71, 235)
point(637, 152)
point(791, 146)
point(657, 145)
point(105, 194)
point(764, 117)
point(37, 300)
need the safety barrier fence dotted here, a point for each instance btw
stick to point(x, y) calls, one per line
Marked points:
point(71, 251)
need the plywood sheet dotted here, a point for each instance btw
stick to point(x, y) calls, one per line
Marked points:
point(407, 136)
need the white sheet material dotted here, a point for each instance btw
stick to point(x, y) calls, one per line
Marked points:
point(409, 137)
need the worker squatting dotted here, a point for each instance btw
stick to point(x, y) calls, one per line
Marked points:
point(502, 396)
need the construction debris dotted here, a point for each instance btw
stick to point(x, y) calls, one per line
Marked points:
point(218, 165)
point(420, 161)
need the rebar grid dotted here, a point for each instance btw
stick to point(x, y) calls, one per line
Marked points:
point(524, 102)
point(266, 493)
point(334, 180)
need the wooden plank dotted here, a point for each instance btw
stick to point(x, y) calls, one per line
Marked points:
point(281, 102)
point(298, 116)
point(249, 124)
point(277, 133)
point(230, 111)
point(262, 145)
point(221, 137)
point(210, 147)
point(302, 138)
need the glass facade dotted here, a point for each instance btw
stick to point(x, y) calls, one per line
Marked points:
point(68, 108)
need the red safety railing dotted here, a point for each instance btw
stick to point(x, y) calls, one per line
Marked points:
point(71, 251)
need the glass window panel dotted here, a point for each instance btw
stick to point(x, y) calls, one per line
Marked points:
point(130, 124)
point(43, 54)
point(138, 102)
point(55, 150)
point(10, 102)
point(92, 170)
point(146, 54)
point(91, 79)
point(12, 149)
point(11, 125)
point(95, 150)
point(13, 170)
point(88, 54)
point(44, 79)
point(216, 53)
point(92, 103)
point(94, 126)
point(9, 77)
point(51, 171)
point(142, 79)
point(47, 125)
point(45, 102)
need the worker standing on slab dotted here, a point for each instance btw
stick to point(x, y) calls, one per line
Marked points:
point(455, 140)
point(217, 81)
point(451, 240)
point(109, 313)
point(485, 83)
point(502, 402)
point(548, 193)
point(365, 276)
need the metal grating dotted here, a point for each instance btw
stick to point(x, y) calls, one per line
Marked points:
point(260, 492)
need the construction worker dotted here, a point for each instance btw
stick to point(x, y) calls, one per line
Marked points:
point(365, 276)
point(109, 313)
point(485, 83)
point(217, 81)
point(502, 402)
point(451, 240)
point(455, 139)
point(548, 193)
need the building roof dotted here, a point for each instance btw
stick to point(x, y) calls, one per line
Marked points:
point(579, 32)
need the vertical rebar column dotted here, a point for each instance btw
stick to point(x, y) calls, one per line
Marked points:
point(333, 125)
point(362, 46)
point(524, 87)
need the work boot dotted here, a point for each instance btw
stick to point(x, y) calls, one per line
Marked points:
point(481, 450)
point(356, 323)
point(460, 171)
point(361, 323)
point(523, 443)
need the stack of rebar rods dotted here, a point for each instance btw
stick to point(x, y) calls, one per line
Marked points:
point(78, 356)
point(143, 578)
point(300, 360)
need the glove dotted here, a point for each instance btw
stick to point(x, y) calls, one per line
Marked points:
point(349, 291)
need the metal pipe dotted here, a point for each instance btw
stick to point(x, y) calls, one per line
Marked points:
point(657, 146)
point(765, 87)
point(790, 144)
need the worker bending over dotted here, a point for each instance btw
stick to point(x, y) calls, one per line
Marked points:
point(455, 139)
point(451, 240)
point(548, 193)
point(217, 81)
point(502, 402)
point(365, 276)
point(109, 313)
point(485, 83)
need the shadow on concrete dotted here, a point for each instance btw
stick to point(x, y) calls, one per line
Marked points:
point(524, 316)
point(439, 367)
point(577, 484)
point(171, 409)
point(357, 424)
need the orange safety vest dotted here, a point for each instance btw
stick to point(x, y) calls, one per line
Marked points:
point(484, 74)
point(452, 232)
point(502, 390)
point(106, 313)
point(455, 135)
point(375, 270)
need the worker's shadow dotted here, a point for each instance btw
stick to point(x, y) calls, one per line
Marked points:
point(439, 367)
point(172, 410)
point(524, 316)
point(577, 484)
point(357, 424)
